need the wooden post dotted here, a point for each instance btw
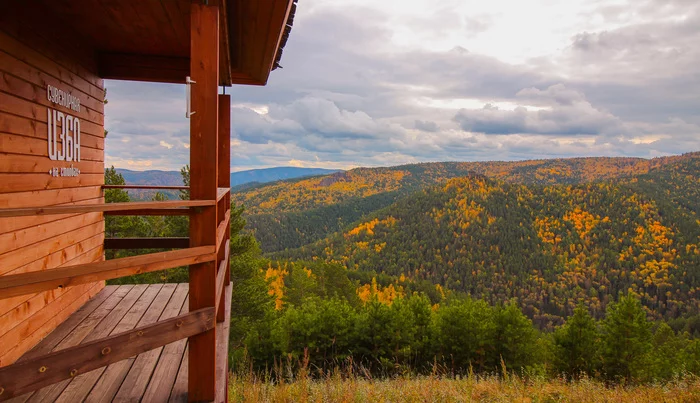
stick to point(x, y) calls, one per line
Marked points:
point(204, 70)
point(224, 181)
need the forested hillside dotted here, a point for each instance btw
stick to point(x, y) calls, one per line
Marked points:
point(471, 275)
point(549, 246)
point(290, 214)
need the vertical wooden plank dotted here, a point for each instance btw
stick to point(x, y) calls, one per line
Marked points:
point(204, 68)
point(224, 181)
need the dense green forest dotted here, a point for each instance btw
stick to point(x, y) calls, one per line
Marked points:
point(550, 246)
point(574, 267)
point(313, 316)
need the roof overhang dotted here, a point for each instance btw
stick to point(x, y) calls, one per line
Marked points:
point(149, 40)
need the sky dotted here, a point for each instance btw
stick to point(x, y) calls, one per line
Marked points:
point(382, 83)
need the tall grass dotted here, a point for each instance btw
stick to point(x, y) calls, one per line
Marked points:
point(350, 383)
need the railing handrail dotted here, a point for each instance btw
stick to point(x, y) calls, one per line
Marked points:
point(146, 187)
point(106, 207)
point(27, 283)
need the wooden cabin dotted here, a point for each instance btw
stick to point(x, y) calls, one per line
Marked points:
point(64, 335)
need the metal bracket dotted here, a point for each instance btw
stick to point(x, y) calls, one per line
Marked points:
point(188, 96)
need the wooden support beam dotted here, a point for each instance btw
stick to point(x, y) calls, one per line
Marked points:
point(204, 70)
point(45, 370)
point(146, 243)
point(224, 146)
point(225, 166)
point(224, 46)
point(105, 207)
point(34, 282)
point(123, 66)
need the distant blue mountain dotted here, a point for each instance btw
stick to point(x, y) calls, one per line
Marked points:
point(275, 174)
point(173, 178)
point(152, 177)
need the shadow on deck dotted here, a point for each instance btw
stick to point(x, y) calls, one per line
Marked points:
point(158, 375)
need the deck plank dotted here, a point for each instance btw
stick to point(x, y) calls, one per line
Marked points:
point(81, 385)
point(163, 379)
point(51, 341)
point(179, 392)
point(49, 344)
point(158, 375)
point(141, 372)
point(114, 375)
point(119, 301)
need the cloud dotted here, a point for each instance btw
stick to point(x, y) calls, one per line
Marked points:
point(426, 125)
point(369, 83)
point(568, 114)
point(557, 94)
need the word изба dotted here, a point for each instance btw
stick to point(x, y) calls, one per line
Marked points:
point(70, 127)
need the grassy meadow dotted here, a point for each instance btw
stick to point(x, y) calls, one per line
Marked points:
point(356, 388)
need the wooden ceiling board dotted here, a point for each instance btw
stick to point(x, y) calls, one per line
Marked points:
point(146, 32)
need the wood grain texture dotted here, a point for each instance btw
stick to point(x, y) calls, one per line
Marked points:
point(33, 303)
point(204, 68)
point(79, 386)
point(103, 207)
point(166, 371)
point(141, 371)
point(29, 332)
point(33, 56)
point(222, 334)
point(114, 375)
point(98, 324)
point(67, 335)
point(146, 243)
point(27, 283)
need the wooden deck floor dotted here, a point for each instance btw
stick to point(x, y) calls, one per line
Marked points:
point(159, 375)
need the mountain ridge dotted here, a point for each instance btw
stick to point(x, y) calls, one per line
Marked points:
point(238, 179)
point(290, 214)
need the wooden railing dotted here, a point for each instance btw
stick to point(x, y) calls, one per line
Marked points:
point(35, 373)
point(145, 187)
point(33, 282)
point(128, 208)
point(209, 272)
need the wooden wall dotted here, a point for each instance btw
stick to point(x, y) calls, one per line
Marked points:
point(29, 61)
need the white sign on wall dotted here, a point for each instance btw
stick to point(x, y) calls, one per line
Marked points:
point(63, 135)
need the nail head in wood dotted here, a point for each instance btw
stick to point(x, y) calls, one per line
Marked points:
point(106, 350)
point(139, 333)
point(73, 373)
point(178, 323)
point(42, 369)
